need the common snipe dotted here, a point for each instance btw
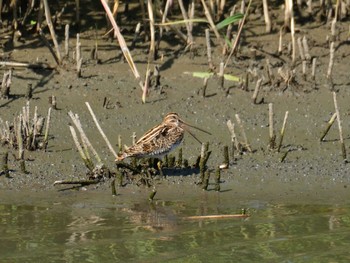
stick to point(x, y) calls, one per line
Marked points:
point(161, 139)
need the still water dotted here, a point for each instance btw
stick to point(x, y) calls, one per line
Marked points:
point(88, 227)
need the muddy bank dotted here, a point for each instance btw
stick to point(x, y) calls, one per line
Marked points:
point(311, 168)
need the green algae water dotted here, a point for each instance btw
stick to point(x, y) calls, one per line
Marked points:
point(88, 227)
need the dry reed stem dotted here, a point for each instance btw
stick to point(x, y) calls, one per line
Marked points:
point(52, 31)
point(272, 134)
point(211, 22)
point(241, 126)
point(207, 38)
point(84, 138)
point(301, 49)
point(313, 71)
point(122, 43)
point(66, 40)
point(47, 128)
point(331, 60)
point(306, 48)
point(329, 125)
point(188, 27)
point(152, 51)
point(238, 36)
point(110, 147)
point(256, 90)
point(280, 41)
point(268, 27)
point(341, 138)
point(234, 140)
point(283, 130)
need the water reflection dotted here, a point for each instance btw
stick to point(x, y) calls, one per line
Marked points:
point(156, 232)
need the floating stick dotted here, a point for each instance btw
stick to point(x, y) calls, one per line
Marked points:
point(343, 149)
point(283, 131)
point(329, 125)
point(272, 142)
point(217, 216)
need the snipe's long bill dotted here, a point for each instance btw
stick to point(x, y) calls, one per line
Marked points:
point(161, 139)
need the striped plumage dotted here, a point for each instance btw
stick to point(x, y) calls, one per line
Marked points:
point(159, 140)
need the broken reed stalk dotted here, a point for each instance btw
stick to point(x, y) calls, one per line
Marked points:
point(268, 27)
point(217, 179)
point(85, 140)
point(301, 49)
point(4, 164)
point(205, 182)
point(226, 163)
point(280, 42)
point(136, 36)
point(110, 147)
point(256, 91)
point(221, 75)
point(114, 191)
point(343, 149)
point(66, 40)
point(47, 127)
point(78, 58)
point(241, 126)
point(52, 31)
point(122, 43)
point(234, 141)
point(304, 63)
point(313, 71)
point(205, 84)
point(272, 141)
point(87, 161)
point(292, 29)
point(306, 49)
point(152, 51)
point(207, 38)
point(331, 60)
point(205, 153)
point(6, 84)
point(283, 130)
point(329, 125)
